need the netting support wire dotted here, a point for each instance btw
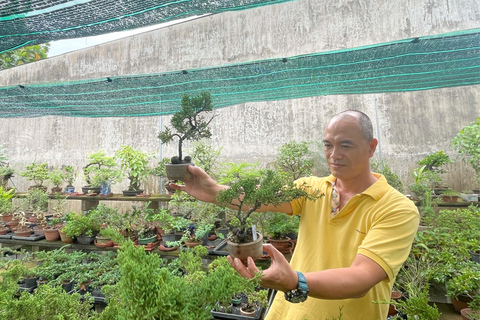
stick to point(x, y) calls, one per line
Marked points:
point(378, 134)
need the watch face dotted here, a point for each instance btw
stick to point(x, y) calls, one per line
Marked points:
point(296, 296)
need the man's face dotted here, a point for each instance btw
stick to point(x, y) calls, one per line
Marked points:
point(346, 150)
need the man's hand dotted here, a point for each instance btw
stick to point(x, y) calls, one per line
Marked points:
point(279, 276)
point(201, 186)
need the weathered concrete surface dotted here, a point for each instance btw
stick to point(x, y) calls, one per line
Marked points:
point(411, 124)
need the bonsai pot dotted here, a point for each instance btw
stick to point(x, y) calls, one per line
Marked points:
point(168, 238)
point(69, 189)
point(3, 231)
point(244, 250)
point(38, 231)
point(56, 190)
point(286, 245)
point(85, 239)
point(466, 312)
point(92, 189)
point(178, 171)
point(65, 238)
point(191, 244)
point(31, 282)
point(131, 193)
point(247, 313)
point(24, 232)
point(395, 295)
point(51, 234)
point(103, 242)
point(7, 217)
point(144, 241)
point(448, 198)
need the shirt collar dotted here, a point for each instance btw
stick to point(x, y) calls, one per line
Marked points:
point(376, 190)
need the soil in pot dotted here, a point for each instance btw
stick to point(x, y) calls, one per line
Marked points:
point(244, 250)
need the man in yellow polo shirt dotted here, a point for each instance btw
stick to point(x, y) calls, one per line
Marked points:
point(351, 242)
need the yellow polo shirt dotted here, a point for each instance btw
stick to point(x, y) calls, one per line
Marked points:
point(379, 223)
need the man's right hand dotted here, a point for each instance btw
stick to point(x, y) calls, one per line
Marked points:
point(201, 186)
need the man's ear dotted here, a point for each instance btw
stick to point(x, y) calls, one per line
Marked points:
point(373, 146)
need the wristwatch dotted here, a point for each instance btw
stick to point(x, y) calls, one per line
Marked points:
point(301, 293)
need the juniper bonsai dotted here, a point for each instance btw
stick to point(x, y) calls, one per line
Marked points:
point(189, 123)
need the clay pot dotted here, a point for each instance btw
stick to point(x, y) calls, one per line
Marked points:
point(394, 296)
point(283, 245)
point(24, 232)
point(7, 217)
point(3, 231)
point(51, 234)
point(246, 313)
point(461, 302)
point(244, 250)
point(65, 238)
point(466, 312)
point(191, 244)
point(38, 231)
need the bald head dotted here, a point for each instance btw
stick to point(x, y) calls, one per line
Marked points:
point(361, 118)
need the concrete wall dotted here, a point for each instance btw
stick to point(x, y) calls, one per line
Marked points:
point(411, 124)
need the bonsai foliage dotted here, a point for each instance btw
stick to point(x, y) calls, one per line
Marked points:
point(135, 164)
point(101, 168)
point(295, 159)
point(36, 200)
point(435, 161)
point(416, 305)
point(467, 143)
point(247, 194)
point(206, 157)
point(56, 177)
point(36, 172)
point(189, 123)
point(382, 167)
point(69, 175)
point(279, 225)
point(88, 223)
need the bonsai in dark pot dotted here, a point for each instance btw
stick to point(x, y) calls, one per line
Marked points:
point(187, 124)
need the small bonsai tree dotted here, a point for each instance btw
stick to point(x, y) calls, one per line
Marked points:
point(6, 206)
point(248, 193)
point(434, 163)
point(56, 178)
point(69, 176)
point(466, 142)
point(101, 168)
point(295, 159)
point(36, 172)
point(189, 123)
point(135, 164)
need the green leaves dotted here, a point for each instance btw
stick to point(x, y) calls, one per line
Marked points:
point(467, 143)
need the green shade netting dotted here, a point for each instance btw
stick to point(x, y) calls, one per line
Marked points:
point(441, 61)
point(25, 23)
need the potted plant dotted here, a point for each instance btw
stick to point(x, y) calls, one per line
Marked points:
point(135, 164)
point(22, 230)
point(434, 163)
point(278, 227)
point(56, 178)
point(6, 173)
point(187, 124)
point(466, 143)
point(473, 310)
point(85, 226)
point(416, 305)
point(6, 207)
point(100, 169)
point(38, 173)
point(249, 192)
point(170, 225)
point(464, 284)
point(295, 159)
point(450, 195)
point(69, 176)
point(36, 200)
